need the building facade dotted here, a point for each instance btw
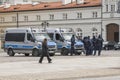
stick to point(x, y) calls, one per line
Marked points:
point(111, 20)
point(84, 19)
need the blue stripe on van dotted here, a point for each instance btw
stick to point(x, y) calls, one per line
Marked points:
point(59, 46)
point(17, 46)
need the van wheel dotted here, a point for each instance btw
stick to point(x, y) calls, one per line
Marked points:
point(10, 52)
point(35, 52)
point(26, 54)
point(64, 51)
point(79, 53)
point(51, 54)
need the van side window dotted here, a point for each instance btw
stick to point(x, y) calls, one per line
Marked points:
point(29, 37)
point(51, 35)
point(18, 37)
point(58, 36)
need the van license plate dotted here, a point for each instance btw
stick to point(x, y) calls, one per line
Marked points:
point(78, 50)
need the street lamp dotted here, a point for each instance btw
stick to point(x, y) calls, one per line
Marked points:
point(44, 24)
point(17, 20)
point(101, 17)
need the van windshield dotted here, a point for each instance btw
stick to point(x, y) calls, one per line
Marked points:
point(41, 36)
point(67, 36)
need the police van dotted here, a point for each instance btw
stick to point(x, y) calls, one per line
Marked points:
point(21, 41)
point(27, 41)
point(62, 38)
point(40, 35)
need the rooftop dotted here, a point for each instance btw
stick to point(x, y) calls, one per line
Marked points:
point(49, 6)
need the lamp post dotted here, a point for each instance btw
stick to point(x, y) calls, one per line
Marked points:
point(44, 24)
point(101, 17)
point(17, 20)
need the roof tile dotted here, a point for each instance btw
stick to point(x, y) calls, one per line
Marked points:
point(49, 6)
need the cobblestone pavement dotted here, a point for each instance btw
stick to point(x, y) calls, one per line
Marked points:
point(20, 67)
point(103, 78)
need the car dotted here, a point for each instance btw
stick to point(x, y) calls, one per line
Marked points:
point(117, 46)
point(108, 45)
point(105, 45)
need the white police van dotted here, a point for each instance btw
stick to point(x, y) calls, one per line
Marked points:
point(62, 38)
point(21, 40)
point(40, 35)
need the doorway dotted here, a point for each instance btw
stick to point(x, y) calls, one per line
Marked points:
point(112, 32)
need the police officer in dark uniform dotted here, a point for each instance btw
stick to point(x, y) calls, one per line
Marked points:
point(72, 45)
point(93, 44)
point(99, 44)
point(87, 45)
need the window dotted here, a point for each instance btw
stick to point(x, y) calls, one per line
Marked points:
point(2, 19)
point(14, 19)
point(0, 2)
point(38, 17)
point(51, 35)
point(64, 15)
point(79, 15)
point(58, 37)
point(106, 8)
point(95, 15)
point(7, 1)
point(25, 0)
point(25, 18)
point(51, 16)
point(29, 37)
point(18, 37)
point(112, 8)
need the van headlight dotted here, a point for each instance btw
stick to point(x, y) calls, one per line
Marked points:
point(40, 44)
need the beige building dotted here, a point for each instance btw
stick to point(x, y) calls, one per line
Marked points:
point(92, 17)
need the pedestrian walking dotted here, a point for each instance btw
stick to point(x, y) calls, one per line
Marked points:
point(99, 44)
point(72, 45)
point(45, 52)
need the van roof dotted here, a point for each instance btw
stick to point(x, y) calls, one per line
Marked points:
point(62, 30)
point(17, 30)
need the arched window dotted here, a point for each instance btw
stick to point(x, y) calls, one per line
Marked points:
point(79, 33)
point(94, 32)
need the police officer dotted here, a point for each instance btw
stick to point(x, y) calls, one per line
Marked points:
point(45, 51)
point(99, 44)
point(87, 45)
point(72, 45)
point(93, 44)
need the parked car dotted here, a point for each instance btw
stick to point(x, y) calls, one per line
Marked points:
point(117, 46)
point(108, 45)
point(105, 45)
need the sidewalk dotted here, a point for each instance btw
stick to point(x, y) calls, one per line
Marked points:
point(1, 50)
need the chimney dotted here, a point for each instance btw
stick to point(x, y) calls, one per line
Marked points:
point(80, 1)
point(35, 3)
point(6, 5)
point(64, 2)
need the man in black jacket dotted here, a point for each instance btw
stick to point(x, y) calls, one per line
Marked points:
point(45, 52)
